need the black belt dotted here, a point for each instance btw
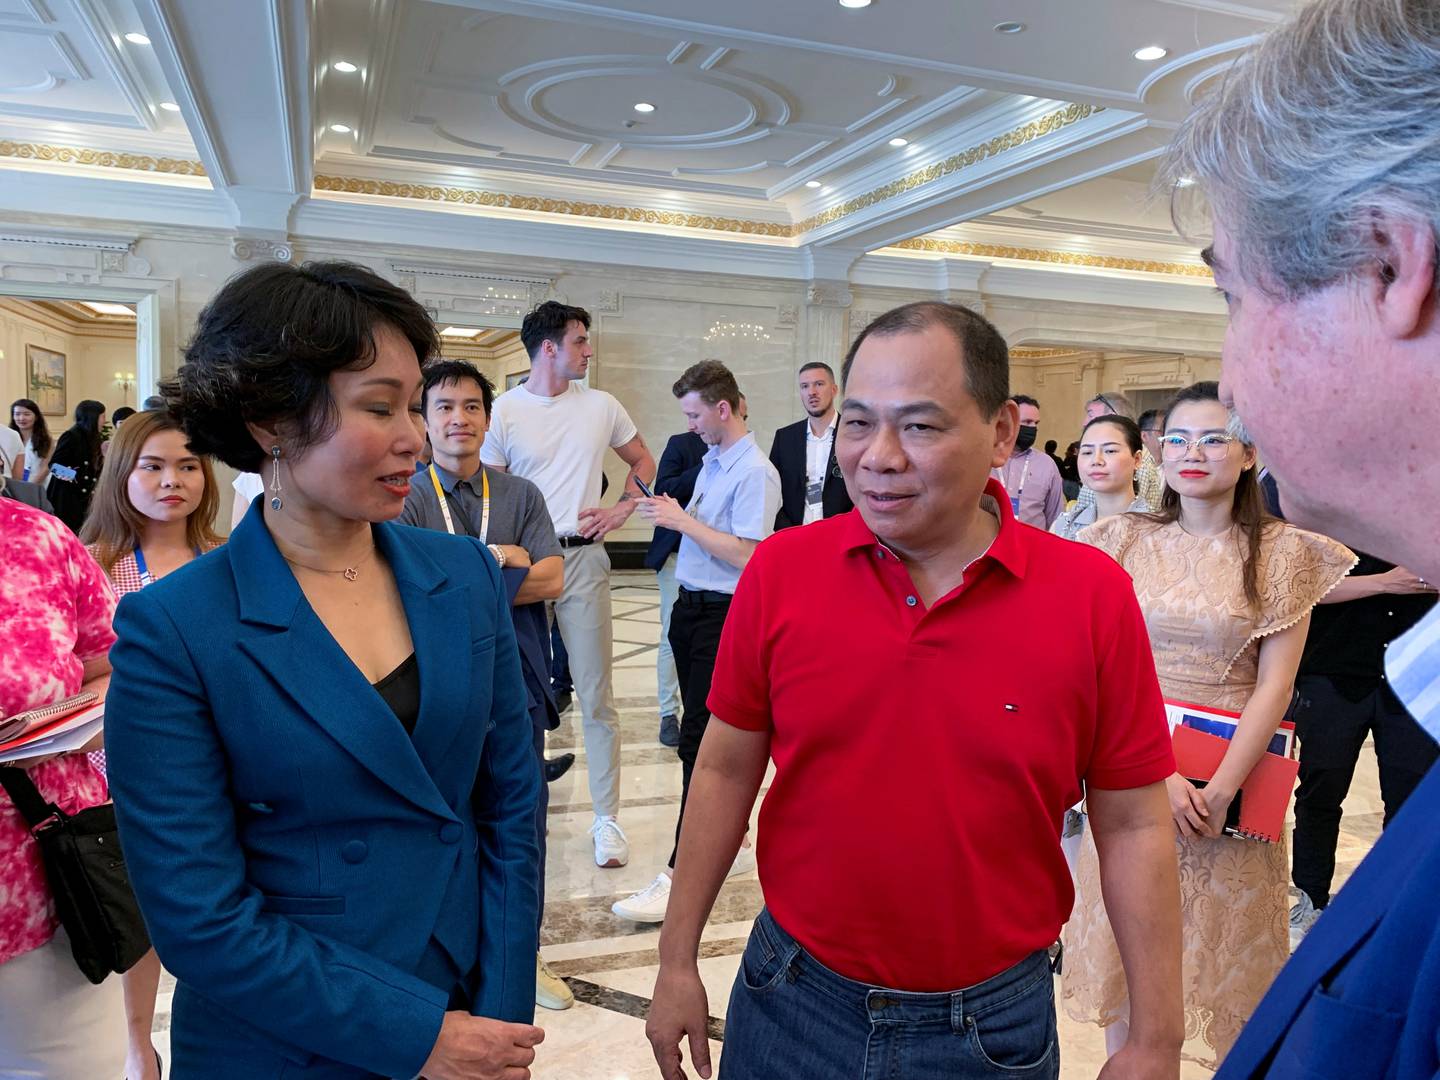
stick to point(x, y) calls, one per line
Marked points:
point(703, 596)
point(574, 541)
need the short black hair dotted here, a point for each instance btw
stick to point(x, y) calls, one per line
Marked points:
point(1024, 399)
point(120, 415)
point(818, 365)
point(452, 371)
point(266, 345)
point(986, 356)
point(1051, 446)
point(712, 380)
point(153, 402)
point(1149, 416)
point(548, 322)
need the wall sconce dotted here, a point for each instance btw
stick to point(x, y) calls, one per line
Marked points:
point(126, 381)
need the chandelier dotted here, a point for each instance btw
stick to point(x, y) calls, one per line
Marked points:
point(725, 330)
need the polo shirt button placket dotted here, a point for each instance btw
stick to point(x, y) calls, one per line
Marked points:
point(910, 601)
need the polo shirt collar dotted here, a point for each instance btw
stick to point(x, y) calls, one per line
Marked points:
point(1009, 548)
point(449, 481)
point(729, 458)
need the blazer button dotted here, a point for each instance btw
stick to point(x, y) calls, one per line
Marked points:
point(354, 851)
point(450, 832)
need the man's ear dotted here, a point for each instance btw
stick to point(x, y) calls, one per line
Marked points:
point(1007, 427)
point(1405, 285)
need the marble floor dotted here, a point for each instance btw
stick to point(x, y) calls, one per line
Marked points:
point(610, 964)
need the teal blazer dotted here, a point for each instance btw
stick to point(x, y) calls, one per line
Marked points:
point(312, 875)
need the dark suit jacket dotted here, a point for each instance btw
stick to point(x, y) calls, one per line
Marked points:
point(1360, 999)
point(27, 493)
point(299, 858)
point(787, 454)
point(675, 476)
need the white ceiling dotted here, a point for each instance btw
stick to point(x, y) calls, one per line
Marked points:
point(523, 109)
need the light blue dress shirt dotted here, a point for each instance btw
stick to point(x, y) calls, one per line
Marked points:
point(737, 493)
point(1412, 664)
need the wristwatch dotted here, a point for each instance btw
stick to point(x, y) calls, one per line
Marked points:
point(499, 553)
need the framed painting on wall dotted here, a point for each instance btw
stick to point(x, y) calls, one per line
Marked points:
point(515, 378)
point(45, 378)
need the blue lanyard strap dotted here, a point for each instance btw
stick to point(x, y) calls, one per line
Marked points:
point(145, 578)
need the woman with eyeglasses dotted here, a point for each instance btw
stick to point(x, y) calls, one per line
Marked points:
point(1226, 591)
point(1108, 457)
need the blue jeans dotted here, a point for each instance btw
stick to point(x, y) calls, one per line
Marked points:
point(792, 1017)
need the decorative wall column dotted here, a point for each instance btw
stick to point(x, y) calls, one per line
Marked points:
point(827, 310)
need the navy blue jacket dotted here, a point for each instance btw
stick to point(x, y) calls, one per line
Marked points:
point(1360, 999)
point(297, 856)
point(675, 476)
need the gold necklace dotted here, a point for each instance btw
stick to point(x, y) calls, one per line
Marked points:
point(350, 572)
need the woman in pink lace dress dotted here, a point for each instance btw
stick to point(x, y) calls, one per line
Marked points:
point(151, 515)
point(55, 613)
point(1226, 591)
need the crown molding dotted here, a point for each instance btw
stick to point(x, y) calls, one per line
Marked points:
point(47, 153)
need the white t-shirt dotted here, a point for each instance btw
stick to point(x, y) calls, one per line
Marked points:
point(247, 485)
point(11, 447)
point(558, 444)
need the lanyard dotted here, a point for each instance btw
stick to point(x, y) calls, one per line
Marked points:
point(145, 576)
point(1024, 473)
point(445, 503)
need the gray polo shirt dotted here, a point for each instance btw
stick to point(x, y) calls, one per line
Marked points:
point(517, 510)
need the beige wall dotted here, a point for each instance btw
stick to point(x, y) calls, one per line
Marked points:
point(90, 361)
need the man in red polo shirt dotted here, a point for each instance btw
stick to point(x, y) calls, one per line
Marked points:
point(946, 746)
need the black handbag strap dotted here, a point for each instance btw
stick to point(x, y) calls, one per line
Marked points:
point(26, 796)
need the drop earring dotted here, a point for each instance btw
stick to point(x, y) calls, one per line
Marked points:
point(277, 499)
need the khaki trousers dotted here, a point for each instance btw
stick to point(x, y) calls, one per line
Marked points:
point(583, 612)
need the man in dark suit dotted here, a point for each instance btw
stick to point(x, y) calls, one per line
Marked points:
point(803, 453)
point(29, 494)
point(1325, 250)
point(675, 476)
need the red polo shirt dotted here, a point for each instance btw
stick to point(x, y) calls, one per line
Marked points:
point(925, 757)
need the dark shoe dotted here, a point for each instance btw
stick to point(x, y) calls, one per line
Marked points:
point(558, 767)
point(563, 701)
point(669, 731)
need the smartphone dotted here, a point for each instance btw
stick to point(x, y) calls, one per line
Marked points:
point(644, 487)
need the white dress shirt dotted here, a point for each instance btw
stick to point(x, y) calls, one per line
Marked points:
point(817, 461)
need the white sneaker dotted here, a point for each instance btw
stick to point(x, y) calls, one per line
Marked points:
point(648, 905)
point(611, 847)
point(744, 861)
point(1302, 918)
point(550, 990)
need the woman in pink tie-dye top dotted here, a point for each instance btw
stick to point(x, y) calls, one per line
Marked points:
point(56, 607)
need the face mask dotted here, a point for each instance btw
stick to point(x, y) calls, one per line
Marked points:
point(1025, 439)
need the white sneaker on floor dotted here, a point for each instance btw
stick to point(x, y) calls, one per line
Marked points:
point(1302, 918)
point(550, 990)
point(648, 905)
point(611, 847)
point(744, 862)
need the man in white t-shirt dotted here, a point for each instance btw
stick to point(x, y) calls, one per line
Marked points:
point(554, 431)
point(12, 454)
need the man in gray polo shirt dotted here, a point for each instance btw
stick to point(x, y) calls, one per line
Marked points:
point(732, 509)
point(506, 513)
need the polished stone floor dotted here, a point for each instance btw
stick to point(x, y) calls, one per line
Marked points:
point(610, 963)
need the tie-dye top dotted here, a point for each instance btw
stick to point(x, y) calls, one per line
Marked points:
point(56, 606)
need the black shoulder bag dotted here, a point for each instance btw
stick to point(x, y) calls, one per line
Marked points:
point(86, 871)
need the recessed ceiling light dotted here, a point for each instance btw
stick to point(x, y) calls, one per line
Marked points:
point(1009, 28)
point(169, 106)
point(898, 141)
point(460, 332)
point(344, 65)
point(137, 39)
point(854, 3)
point(644, 106)
point(103, 307)
point(1151, 52)
point(340, 129)
point(812, 183)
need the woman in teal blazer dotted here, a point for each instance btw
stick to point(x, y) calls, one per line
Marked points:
point(318, 740)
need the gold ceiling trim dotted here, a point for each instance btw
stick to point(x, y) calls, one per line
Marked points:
point(1051, 122)
point(1063, 258)
point(105, 159)
point(1032, 352)
point(534, 204)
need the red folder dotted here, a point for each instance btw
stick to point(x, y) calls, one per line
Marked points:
point(1265, 794)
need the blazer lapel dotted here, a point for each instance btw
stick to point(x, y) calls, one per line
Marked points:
point(292, 645)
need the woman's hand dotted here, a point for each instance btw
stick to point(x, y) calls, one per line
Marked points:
point(1217, 801)
point(1187, 806)
point(478, 1048)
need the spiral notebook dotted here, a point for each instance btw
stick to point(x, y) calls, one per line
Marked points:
point(1259, 807)
point(12, 727)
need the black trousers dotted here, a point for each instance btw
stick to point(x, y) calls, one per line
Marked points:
point(1332, 720)
point(695, 626)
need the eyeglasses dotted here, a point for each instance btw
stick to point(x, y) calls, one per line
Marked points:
point(1213, 446)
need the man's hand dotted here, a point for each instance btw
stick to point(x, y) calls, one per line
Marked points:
point(596, 521)
point(1402, 582)
point(679, 1008)
point(1186, 806)
point(665, 512)
point(1133, 1062)
point(478, 1048)
point(515, 556)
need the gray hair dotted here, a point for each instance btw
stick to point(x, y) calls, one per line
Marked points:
point(1331, 118)
point(1115, 402)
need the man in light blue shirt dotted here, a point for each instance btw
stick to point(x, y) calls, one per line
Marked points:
point(736, 499)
